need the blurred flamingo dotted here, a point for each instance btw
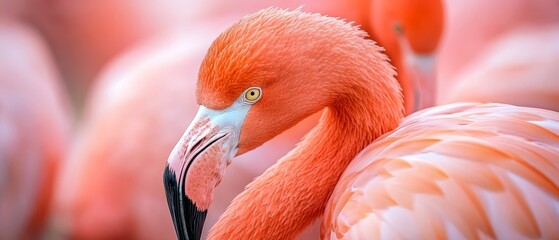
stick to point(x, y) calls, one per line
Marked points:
point(455, 171)
point(12, 9)
point(34, 128)
point(507, 69)
point(518, 67)
point(410, 32)
point(472, 26)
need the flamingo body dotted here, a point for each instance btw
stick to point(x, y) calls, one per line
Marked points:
point(461, 171)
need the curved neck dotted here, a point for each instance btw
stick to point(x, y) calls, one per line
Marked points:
point(293, 193)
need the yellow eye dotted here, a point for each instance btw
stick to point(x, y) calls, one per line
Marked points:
point(253, 94)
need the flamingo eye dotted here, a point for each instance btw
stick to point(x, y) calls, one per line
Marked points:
point(253, 94)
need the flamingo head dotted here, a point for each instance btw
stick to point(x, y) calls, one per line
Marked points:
point(260, 77)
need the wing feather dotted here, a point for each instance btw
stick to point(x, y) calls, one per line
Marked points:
point(460, 171)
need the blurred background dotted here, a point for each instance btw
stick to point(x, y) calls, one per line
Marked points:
point(94, 95)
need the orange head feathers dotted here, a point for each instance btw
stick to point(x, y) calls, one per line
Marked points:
point(301, 61)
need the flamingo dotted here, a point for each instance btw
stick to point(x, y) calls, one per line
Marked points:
point(146, 83)
point(410, 32)
point(34, 130)
point(464, 170)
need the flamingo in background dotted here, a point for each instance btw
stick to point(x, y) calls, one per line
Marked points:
point(34, 129)
point(508, 69)
point(453, 171)
point(410, 32)
point(11, 9)
point(483, 22)
point(518, 67)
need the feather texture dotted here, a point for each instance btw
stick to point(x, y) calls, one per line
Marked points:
point(461, 171)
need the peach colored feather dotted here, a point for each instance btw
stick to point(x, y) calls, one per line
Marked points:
point(455, 171)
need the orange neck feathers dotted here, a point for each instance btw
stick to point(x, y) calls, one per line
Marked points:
point(354, 81)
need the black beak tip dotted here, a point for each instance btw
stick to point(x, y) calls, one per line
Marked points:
point(188, 220)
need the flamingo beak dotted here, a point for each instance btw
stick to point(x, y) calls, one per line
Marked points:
point(179, 205)
point(197, 164)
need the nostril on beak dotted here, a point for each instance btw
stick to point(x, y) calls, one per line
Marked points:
point(195, 146)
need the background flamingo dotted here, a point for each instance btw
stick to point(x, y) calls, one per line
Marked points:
point(485, 23)
point(34, 128)
point(518, 67)
point(497, 62)
point(414, 174)
point(421, 24)
point(491, 65)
